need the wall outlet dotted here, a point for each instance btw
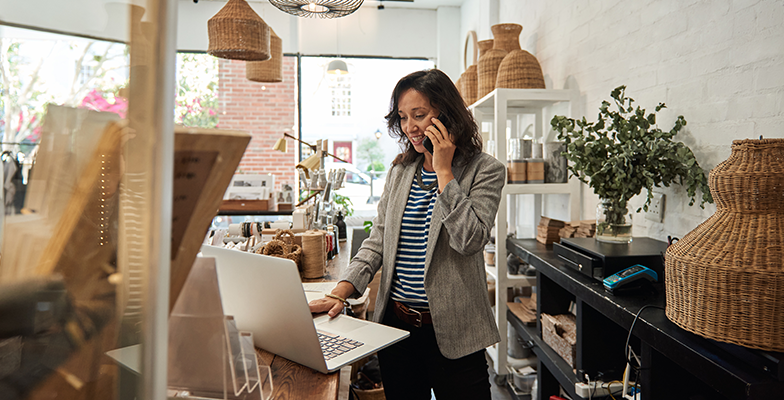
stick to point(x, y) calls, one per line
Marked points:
point(656, 208)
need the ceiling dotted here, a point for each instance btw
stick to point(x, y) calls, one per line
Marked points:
point(421, 4)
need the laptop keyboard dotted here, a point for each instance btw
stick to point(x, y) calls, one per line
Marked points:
point(334, 345)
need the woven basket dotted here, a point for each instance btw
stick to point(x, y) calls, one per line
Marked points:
point(506, 36)
point(520, 70)
point(470, 85)
point(283, 247)
point(487, 71)
point(270, 70)
point(370, 394)
point(459, 86)
point(725, 279)
point(236, 32)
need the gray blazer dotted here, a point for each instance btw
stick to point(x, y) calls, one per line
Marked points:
point(455, 280)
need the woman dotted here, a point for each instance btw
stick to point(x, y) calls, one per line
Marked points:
point(434, 218)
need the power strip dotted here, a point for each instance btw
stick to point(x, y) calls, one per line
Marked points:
point(596, 389)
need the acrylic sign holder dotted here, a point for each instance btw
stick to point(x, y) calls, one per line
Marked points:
point(208, 356)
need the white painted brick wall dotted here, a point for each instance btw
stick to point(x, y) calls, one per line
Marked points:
point(719, 63)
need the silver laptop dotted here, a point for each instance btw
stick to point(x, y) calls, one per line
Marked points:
point(266, 297)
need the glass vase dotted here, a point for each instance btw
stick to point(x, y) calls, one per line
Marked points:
point(613, 223)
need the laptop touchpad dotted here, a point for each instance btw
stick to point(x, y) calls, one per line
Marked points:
point(341, 324)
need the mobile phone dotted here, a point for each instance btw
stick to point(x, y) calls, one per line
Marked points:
point(428, 143)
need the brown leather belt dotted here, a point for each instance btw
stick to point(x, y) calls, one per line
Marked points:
point(411, 316)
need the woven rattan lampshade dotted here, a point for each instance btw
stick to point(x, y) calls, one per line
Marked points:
point(236, 32)
point(317, 8)
point(520, 70)
point(725, 279)
point(270, 70)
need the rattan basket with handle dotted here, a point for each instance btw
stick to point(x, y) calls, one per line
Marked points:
point(520, 70)
point(236, 32)
point(725, 279)
point(283, 246)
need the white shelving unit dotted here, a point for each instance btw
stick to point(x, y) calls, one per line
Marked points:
point(497, 106)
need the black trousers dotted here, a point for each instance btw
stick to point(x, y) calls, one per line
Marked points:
point(411, 367)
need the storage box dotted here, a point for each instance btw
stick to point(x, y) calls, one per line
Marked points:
point(560, 333)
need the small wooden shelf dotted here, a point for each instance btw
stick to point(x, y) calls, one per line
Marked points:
point(251, 207)
point(546, 355)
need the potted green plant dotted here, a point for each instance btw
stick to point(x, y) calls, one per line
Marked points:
point(623, 152)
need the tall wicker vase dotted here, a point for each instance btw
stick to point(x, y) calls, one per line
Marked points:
point(484, 46)
point(487, 68)
point(471, 74)
point(519, 69)
point(506, 36)
point(725, 279)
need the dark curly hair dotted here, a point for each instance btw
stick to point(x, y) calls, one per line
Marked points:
point(443, 95)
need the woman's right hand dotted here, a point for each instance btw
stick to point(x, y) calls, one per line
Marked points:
point(330, 305)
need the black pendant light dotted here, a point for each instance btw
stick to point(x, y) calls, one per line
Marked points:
point(317, 8)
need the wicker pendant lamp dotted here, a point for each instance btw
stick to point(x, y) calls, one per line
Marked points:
point(317, 8)
point(270, 70)
point(236, 32)
point(725, 279)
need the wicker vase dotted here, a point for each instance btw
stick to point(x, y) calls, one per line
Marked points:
point(470, 76)
point(520, 70)
point(725, 279)
point(236, 32)
point(469, 85)
point(487, 71)
point(270, 70)
point(506, 36)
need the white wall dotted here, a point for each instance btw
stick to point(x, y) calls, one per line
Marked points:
point(719, 63)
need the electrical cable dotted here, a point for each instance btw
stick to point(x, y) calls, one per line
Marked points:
point(631, 329)
point(609, 388)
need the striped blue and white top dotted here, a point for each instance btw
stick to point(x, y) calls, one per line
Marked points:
point(408, 284)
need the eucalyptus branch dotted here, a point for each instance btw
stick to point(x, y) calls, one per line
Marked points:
point(625, 151)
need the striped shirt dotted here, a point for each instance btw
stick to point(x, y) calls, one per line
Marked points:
point(408, 285)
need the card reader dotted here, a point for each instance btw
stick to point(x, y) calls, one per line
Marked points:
point(634, 276)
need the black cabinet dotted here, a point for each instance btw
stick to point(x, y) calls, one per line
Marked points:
point(676, 364)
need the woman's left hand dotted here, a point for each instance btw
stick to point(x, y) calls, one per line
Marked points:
point(443, 151)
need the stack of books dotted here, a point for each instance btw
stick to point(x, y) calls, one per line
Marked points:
point(586, 228)
point(547, 231)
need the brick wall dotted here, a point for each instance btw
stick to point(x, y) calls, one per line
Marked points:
point(264, 110)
